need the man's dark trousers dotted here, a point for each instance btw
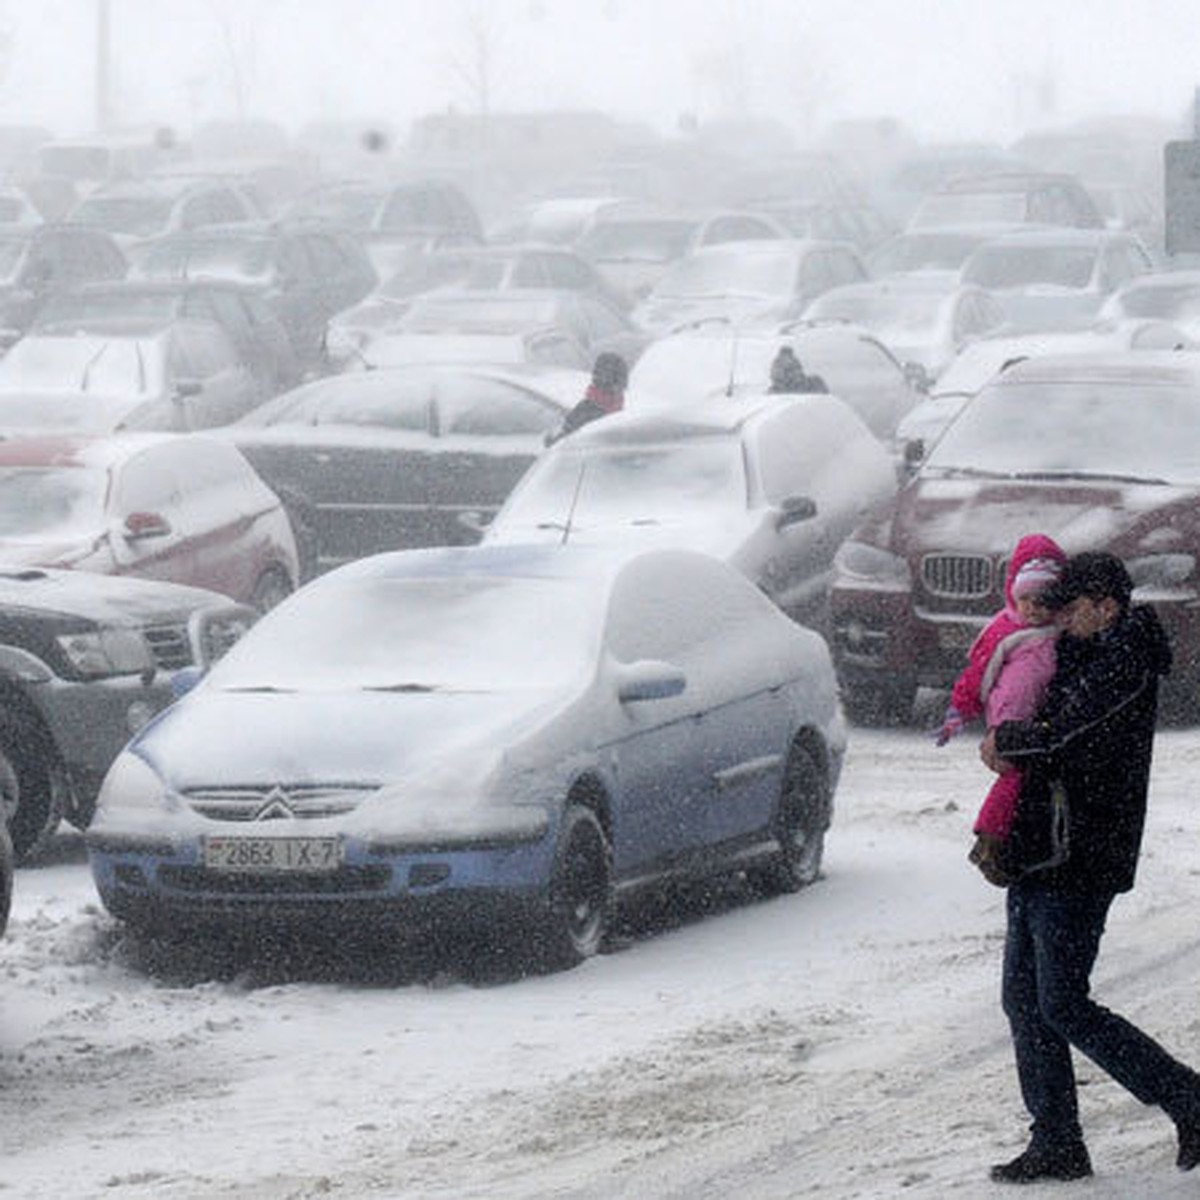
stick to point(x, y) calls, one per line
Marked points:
point(1052, 942)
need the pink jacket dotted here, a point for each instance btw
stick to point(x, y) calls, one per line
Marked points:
point(1010, 663)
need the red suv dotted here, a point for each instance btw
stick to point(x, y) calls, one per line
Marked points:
point(1100, 451)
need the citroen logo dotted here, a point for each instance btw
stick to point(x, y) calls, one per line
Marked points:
point(276, 807)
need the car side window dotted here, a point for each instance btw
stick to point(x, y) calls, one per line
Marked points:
point(491, 410)
point(147, 483)
point(294, 263)
point(566, 272)
point(530, 271)
point(328, 260)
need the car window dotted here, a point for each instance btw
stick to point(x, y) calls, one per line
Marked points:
point(294, 262)
point(328, 259)
point(201, 351)
point(528, 271)
point(557, 350)
point(147, 483)
point(495, 410)
point(566, 272)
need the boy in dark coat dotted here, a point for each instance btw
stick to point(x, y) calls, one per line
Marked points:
point(1074, 847)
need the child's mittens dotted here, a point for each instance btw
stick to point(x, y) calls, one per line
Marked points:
point(952, 726)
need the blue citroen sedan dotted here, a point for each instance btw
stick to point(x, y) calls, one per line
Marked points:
point(512, 734)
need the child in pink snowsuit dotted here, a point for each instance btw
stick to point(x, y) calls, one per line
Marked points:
point(1009, 668)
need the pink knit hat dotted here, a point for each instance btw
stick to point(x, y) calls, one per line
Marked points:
point(1035, 576)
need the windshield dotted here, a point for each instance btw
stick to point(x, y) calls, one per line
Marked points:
point(735, 273)
point(1135, 430)
point(468, 633)
point(113, 366)
point(1161, 301)
point(48, 500)
point(139, 216)
point(212, 257)
point(434, 314)
point(77, 310)
point(970, 208)
point(359, 399)
point(637, 241)
point(923, 252)
point(1023, 266)
point(909, 312)
point(632, 485)
point(355, 210)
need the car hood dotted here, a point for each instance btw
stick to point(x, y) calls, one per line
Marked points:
point(984, 516)
point(52, 551)
point(100, 598)
point(330, 736)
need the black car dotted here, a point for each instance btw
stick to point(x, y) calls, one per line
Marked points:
point(85, 661)
point(244, 313)
point(389, 459)
point(39, 262)
point(306, 272)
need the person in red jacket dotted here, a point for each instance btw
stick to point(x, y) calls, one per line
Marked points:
point(605, 394)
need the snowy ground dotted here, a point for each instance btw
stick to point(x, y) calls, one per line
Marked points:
point(843, 1042)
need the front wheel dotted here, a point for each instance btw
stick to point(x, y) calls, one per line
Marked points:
point(577, 907)
point(799, 826)
point(29, 799)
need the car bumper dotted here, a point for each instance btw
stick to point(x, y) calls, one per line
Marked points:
point(155, 881)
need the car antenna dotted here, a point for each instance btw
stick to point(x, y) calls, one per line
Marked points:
point(733, 353)
point(566, 532)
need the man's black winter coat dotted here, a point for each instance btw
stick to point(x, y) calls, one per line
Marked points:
point(1086, 760)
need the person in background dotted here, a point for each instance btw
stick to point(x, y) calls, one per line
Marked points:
point(605, 395)
point(1009, 667)
point(789, 376)
point(1085, 763)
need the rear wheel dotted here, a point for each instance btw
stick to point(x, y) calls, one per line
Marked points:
point(799, 825)
point(577, 907)
point(31, 804)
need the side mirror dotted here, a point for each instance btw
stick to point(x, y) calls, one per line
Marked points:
point(649, 679)
point(794, 510)
point(914, 455)
point(917, 377)
point(141, 525)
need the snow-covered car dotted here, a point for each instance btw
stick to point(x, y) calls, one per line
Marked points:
point(751, 283)
point(769, 484)
point(924, 319)
point(85, 661)
point(684, 368)
point(976, 364)
point(1099, 451)
point(388, 460)
point(183, 509)
point(1172, 296)
point(1055, 278)
point(518, 735)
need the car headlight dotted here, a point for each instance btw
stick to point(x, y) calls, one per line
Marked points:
point(107, 652)
point(1162, 570)
point(861, 563)
point(131, 785)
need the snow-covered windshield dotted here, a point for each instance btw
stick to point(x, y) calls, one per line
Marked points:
point(70, 310)
point(139, 216)
point(1135, 431)
point(623, 485)
point(438, 314)
point(933, 251)
point(654, 241)
point(41, 500)
point(463, 633)
point(970, 208)
point(188, 258)
point(998, 266)
point(731, 272)
point(358, 399)
point(112, 366)
point(898, 313)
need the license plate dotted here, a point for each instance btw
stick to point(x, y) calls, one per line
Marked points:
point(255, 854)
point(957, 637)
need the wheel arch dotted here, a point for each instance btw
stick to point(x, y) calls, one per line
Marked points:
point(590, 792)
point(809, 741)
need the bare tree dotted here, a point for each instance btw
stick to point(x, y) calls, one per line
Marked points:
point(475, 67)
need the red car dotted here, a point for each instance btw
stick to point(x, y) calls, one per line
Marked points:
point(181, 508)
point(1100, 451)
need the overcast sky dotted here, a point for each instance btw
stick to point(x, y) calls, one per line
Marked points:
point(947, 68)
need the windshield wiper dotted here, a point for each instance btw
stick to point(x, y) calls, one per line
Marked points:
point(1102, 475)
point(969, 472)
point(260, 687)
point(400, 687)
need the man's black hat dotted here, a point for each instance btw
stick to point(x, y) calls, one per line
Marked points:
point(1092, 573)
